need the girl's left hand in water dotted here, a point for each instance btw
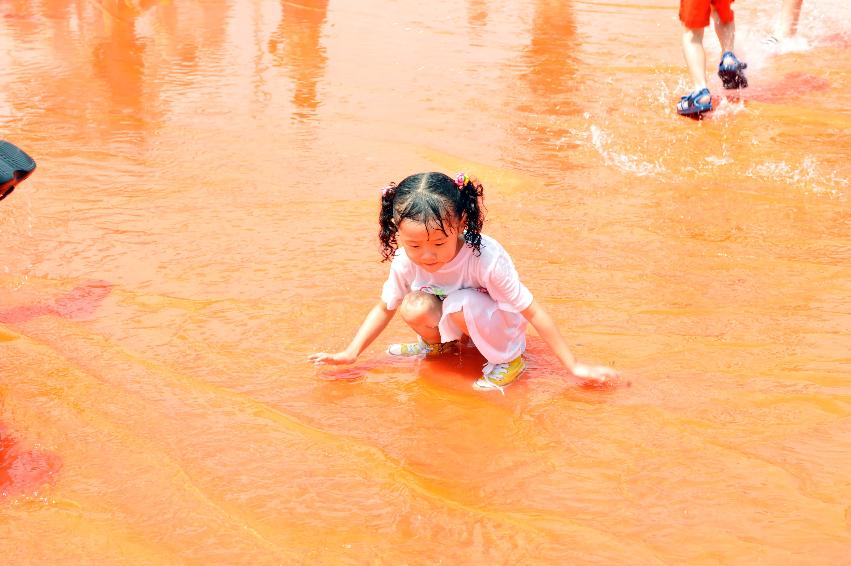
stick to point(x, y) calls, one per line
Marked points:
point(324, 358)
point(600, 374)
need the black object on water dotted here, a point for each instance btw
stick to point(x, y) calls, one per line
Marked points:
point(732, 73)
point(15, 166)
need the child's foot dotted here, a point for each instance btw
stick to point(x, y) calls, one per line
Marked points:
point(497, 376)
point(785, 44)
point(731, 72)
point(423, 348)
point(697, 102)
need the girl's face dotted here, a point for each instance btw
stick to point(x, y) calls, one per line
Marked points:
point(430, 249)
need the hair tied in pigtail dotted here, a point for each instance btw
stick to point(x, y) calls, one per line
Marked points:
point(461, 179)
point(388, 189)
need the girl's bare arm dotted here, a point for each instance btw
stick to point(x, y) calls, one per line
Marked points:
point(373, 324)
point(543, 323)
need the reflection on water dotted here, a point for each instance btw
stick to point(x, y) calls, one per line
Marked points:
point(549, 70)
point(477, 13)
point(185, 243)
point(118, 60)
point(550, 60)
point(295, 45)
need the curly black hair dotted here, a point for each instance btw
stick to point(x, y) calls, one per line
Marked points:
point(432, 199)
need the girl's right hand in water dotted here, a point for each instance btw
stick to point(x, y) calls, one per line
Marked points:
point(324, 358)
point(596, 373)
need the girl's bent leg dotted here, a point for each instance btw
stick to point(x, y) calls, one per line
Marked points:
point(422, 312)
point(500, 336)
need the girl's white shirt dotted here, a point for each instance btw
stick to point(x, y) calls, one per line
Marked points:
point(492, 272)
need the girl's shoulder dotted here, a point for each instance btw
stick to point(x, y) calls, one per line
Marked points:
point(496, 265)
point(492, 254)
point(491, 249)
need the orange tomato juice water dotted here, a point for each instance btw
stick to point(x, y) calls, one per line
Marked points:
point(204, 217)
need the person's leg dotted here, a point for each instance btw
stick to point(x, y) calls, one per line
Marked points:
point(731, 70)
point(695, 56)
point(789, 15)
point(694, 17)
point(726, 32)
point(499, 336)
point(422, 311)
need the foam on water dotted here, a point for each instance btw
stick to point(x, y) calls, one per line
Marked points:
point(728, 107)
point(634, 164)
point(807, 175)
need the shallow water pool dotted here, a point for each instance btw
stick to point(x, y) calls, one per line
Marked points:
point(204, 216)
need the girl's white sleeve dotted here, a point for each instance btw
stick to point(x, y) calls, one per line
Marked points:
point(504, 285)
point(398, 282)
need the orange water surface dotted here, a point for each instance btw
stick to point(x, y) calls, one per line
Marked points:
point(203, 217)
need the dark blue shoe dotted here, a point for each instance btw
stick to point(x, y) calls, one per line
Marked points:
point(15, 166)
point(690, 105)
point(731, 73)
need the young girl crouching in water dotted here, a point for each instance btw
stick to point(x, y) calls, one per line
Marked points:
point(449, 280)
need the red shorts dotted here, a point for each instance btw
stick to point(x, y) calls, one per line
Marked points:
point(694, 14)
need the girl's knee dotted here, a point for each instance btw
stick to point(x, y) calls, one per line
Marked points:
point(417, 306)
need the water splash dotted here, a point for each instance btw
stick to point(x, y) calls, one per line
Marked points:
point(764, 39)
point(727, 106)
point(806, 175)
point(633, 164)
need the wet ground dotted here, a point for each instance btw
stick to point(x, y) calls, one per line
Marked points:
point(203, 217)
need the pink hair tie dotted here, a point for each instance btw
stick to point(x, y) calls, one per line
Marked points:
point(461, 179)
point(387, 189)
